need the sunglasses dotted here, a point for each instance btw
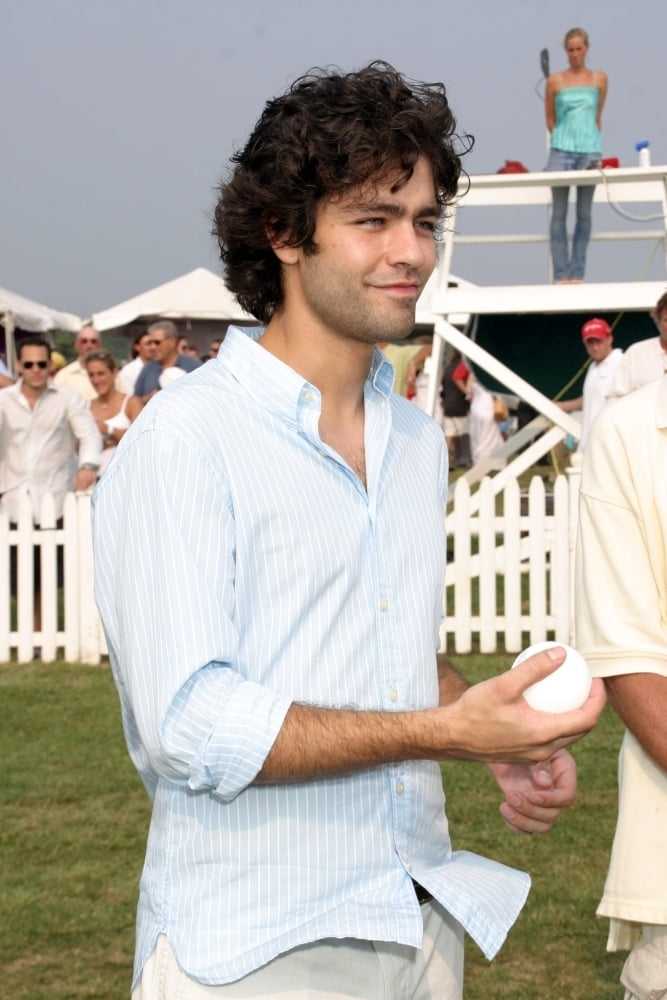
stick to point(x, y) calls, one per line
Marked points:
point(154, 343)
point(98, 356)
point(33, 364)
point(92, 342)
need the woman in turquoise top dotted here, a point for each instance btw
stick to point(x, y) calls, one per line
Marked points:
point(573, 101)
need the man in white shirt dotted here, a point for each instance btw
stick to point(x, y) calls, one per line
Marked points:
point(621, 597)
point(49, 442)
point(275, 642)
point(646, 360)
point(605, 359)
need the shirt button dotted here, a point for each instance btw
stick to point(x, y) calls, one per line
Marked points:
point(307, 396)
point(393, 694)
point(384, 604)
point(400, 787)
point(408, 866)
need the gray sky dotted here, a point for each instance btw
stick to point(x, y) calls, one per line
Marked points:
point(119, 116)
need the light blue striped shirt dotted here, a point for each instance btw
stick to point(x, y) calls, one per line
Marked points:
point(241, 565)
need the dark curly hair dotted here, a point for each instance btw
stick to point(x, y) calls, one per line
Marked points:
point(330, 132)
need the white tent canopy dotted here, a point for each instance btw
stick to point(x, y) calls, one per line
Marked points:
point(17, 312)
point(197, 295)
point(34, 317)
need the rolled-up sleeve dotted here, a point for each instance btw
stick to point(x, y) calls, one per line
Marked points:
point(165, 565)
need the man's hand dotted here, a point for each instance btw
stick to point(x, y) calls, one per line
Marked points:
point(493, 722)
point(535, 796)
point(84, 480)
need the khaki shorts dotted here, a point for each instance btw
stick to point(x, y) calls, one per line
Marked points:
point(332, 969)
point(456, 426)
point(645, 971)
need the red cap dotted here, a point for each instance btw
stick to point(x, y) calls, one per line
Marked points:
point(595, 329)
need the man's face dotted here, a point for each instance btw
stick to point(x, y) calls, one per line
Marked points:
point(146, 347)
point(34, 367)
point(662, 328)
point(87, 340)
point(164, 346)
point(376, 250)
point(599, 348)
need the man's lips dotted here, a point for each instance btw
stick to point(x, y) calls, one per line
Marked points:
point(406, 288)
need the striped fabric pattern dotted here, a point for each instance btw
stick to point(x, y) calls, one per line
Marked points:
point(242, 565)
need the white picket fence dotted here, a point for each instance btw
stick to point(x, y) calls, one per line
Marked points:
point(508, 581)
point(70, 627)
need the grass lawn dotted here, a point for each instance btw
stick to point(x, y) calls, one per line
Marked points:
point(74, 820)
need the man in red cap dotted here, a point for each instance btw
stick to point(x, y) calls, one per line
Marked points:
point(599, 343)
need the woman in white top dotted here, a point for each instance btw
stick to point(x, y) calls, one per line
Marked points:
point(108, 407)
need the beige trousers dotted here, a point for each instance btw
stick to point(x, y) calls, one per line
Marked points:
point(645, 971)
point(330, 970)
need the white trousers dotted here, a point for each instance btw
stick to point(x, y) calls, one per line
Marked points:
point(331, 970)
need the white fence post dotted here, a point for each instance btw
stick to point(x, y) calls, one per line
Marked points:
point(47, 539)
point(574, 483)
point(89, 627)
point(5, 595)
point(72, 579)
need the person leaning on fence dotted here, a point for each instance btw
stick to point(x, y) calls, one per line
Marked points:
point(48, 440)
point(275, 645)
point(621, 627)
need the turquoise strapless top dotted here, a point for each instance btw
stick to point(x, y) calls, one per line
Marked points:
point(575, 130)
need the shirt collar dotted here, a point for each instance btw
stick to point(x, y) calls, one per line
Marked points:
point(283, 389)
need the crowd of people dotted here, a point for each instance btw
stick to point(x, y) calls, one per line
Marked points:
point(60, 423)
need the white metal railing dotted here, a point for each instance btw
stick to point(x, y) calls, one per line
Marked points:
point(508, 581)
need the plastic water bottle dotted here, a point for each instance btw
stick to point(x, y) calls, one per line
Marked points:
point(644, 150)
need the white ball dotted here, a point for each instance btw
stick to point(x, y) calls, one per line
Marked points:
point(567, 688)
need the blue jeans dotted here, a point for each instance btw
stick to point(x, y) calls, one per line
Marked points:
point(564, 266)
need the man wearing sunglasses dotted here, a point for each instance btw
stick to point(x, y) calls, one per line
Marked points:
point(49, 442)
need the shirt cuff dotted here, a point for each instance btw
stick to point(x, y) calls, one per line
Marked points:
point(246, 728)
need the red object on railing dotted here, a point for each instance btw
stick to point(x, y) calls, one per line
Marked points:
point(513, 167)
point(611, 161)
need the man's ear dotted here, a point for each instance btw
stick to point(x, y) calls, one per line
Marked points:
point(285, 254)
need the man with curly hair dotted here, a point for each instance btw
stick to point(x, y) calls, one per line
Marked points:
point(275, 645)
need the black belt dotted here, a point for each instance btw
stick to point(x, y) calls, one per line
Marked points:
point(422, 894)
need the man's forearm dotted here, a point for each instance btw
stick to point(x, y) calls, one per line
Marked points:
point(640, 700)
point(451, 683)
point(490, 721)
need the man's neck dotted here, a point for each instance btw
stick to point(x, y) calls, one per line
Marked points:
point(337, 367)
point(32, 395)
